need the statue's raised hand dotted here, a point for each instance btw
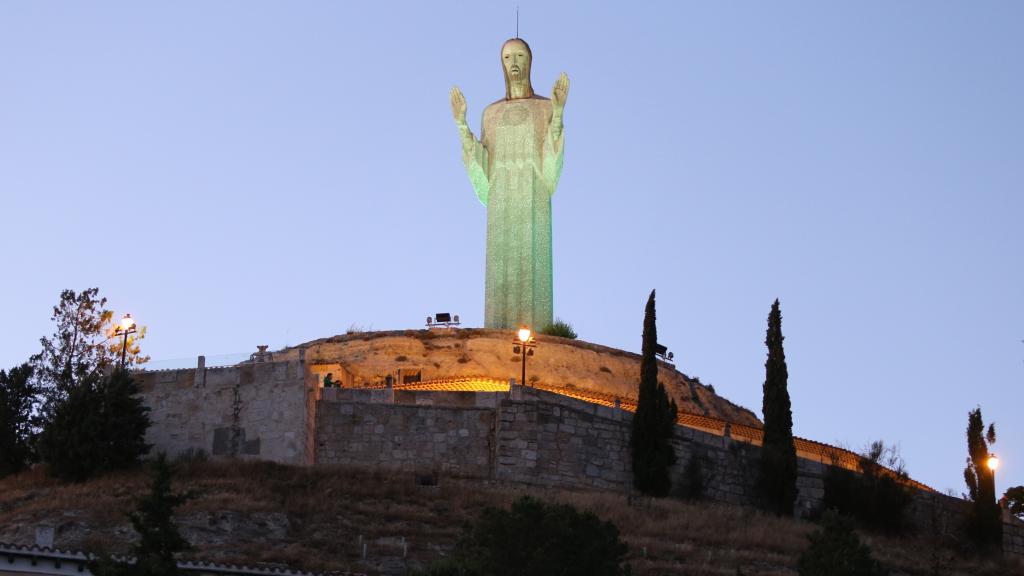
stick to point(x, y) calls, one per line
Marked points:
point(560, 92)
point(458, 105)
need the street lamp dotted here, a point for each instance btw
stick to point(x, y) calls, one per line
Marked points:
point(524, 344)
point(993, 463)
point(126, 327)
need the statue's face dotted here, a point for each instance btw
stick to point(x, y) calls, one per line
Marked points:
point(515, 57)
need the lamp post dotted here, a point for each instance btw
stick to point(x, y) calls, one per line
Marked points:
point(524, 344)
point(126, 327)
point(993, 463)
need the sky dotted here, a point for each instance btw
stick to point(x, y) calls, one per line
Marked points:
point(238, 173)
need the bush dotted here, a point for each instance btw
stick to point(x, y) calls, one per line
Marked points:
point(836, 550)
point(159, 540)
point(100, 426)
point(876, 498)
point(559, 328)
point(536, 539)
point(1014, 500)
point(692, 485)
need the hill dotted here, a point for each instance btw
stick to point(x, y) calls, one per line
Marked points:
point(320, 518)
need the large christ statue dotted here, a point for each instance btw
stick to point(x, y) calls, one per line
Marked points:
point(514, 168)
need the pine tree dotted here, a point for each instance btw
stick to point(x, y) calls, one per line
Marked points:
point(76, 351)
point(984, 524)
point(100, 426)
point(655, 419)
point(778, 454)
point(82, 347)
point(17, 397)
point(153, 520)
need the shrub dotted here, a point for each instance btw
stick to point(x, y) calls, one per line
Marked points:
point(875, 497)
point(1014, 499)
point(559, 328)
point(152, 520)
point(836, 550)
point(536, 539)
point(692, 485)
point(99, 427)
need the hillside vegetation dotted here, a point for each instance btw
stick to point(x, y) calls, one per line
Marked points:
point(321, 518)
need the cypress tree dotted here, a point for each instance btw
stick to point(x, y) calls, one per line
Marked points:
point(778, 454)
point(654, 421)
point(984, 523)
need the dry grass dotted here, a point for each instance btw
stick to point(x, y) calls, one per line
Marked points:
point(319, 518)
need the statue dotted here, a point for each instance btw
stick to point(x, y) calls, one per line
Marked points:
point(514, 168)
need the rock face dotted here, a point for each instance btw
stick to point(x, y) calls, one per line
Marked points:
point(366, 358)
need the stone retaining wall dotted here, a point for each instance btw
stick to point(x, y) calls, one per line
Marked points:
point(532, 437)
point(257, 411)
point(545, 443)
point(276, 411)
point(395, 437)
point(1013, 535)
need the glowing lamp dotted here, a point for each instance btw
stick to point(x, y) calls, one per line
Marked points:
point(127, 323)
point(993, 462)
point(524, 334)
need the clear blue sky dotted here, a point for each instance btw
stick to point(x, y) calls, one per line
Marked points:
point(241, 173)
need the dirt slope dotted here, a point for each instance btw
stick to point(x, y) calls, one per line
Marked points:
point(318, 518)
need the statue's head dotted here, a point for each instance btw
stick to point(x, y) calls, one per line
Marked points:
point(515, 61)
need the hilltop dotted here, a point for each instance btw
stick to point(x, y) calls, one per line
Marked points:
point(367, 357)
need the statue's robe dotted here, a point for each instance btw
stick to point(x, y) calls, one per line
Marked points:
point(514, 169)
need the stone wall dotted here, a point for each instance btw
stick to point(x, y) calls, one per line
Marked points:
point(276, 411)
point(251, 411)
point(422, 439)
point(532, 437)
point(556, 445)
point(1013, 535)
